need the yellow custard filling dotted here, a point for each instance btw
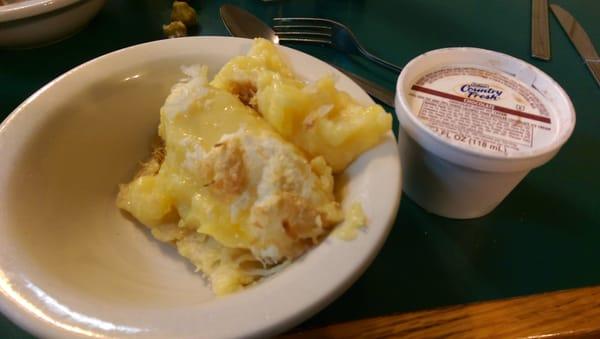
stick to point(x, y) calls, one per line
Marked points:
point(235, 190)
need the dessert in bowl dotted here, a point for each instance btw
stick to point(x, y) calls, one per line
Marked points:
point(74, 264)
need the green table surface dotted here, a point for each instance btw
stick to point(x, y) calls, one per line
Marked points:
point(545, 236)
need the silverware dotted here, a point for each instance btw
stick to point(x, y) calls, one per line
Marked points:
point(540, 31)
point(381, 93)
point(580, 40)
point(241, 23)
point(325, 31)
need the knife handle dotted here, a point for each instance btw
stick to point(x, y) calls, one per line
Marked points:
point(383, 94)
point(540, 31)
point(594, 66)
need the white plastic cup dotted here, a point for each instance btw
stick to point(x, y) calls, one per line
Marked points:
point(473, 123)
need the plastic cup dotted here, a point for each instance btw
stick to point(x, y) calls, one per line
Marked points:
point(473, 123)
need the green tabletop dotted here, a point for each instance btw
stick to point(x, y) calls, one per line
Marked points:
point(543, 237)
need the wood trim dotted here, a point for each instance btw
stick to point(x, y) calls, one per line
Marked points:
point(565, 313)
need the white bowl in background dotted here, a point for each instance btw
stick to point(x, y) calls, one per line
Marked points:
point(32, 23)
point(71, 264)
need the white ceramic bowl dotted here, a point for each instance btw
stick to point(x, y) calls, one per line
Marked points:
point(36, 22)
point(72, 265)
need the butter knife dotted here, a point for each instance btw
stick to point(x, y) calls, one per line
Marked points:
point(540, 32)
point(580, 40)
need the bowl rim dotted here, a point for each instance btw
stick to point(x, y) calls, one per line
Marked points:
point(29, 8)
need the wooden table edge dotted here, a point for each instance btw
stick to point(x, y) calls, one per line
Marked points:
point(572, 313)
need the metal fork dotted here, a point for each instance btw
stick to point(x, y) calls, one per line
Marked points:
point(324, 31)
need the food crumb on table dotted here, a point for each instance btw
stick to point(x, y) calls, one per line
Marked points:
point(184, 13)
point(175, 29)
point(183, 16)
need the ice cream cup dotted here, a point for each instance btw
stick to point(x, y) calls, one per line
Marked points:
point(473, 123)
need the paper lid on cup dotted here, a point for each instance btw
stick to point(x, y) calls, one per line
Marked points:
point(462, 103)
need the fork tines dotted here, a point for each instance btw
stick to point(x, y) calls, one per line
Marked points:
point(303, 29)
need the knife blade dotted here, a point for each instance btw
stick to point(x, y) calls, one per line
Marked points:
point(540, 32)
point(580, 40)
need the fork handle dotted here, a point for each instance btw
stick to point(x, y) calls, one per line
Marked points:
point(380, 61)
point(376, 91)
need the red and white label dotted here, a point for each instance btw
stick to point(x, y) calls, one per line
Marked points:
point(482, 110)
